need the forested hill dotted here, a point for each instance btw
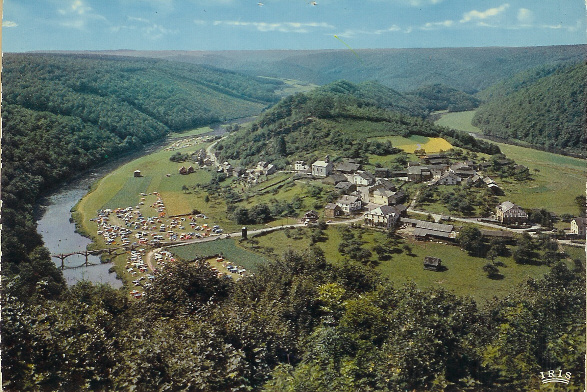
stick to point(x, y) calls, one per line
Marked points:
point(63, 114)
point(337, 119)
point(544, 107)
point(441, 97)
point(467, 69)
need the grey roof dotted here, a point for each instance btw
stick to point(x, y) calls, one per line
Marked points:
point(419, 232)
point(321, 163)
point(347, 167)
point(429, 225)
point(506, 206)
point(348, 199)
point(383, 210)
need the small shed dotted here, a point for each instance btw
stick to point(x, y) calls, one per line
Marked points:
point(137, 173)
point(332, 210)
point(432, 263)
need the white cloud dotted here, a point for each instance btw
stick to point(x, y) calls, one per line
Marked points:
point(525, 16)
point(9, 23)
point(76, 7)
point(77, 15)
point(437, 25)
point(482, 15)
point(148, 29)
point(282, 27)
point(353, 32)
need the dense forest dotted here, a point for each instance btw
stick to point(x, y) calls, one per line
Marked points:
point(544, 107)
point(300, 324)
point(440, 97)
point(64, 114)
point(466, 69)
point(337, 118)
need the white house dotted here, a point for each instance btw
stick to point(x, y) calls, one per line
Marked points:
point(363, 178)
point(507, 213)
point(349, 204)
point(300, 166)
point(321, 168)
point(578, 226)
point(384, 216)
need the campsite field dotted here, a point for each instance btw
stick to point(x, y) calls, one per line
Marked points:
point(557, 179)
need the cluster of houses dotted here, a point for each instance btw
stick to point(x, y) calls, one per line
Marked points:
point(252, 176)
point(434, 169)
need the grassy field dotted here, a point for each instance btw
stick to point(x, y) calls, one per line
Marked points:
point(557, 179)
point(464, 275)
point(459, 120)
point(228, 248)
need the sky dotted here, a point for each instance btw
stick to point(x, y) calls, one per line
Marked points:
point(30, 25)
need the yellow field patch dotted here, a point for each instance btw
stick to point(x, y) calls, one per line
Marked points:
point(434, 144)
point(413, 143)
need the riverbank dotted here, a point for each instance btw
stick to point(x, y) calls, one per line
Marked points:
point(59, 209)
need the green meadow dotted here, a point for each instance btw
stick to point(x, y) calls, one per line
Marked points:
point(227, 248)
point(464, 274)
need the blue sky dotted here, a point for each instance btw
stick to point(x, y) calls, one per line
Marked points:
point(287, 24)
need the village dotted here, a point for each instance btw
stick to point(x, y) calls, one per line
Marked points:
point(375, 199)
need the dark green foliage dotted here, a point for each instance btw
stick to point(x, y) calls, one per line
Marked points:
point(544, 108)
point(471, 240)
point(539, 326)
point(440, 97)
point(299, 324)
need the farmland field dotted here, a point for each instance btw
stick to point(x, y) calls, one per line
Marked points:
point(416, 142)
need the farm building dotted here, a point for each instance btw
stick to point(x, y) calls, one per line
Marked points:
point(432, 263)
point(578, 226)
point(310, 217)
point(384, 216)
point(332, 210)
point(447, 178)
point(508, 213)
point(424, 230)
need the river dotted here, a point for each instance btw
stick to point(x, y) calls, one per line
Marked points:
point(60, 237)
point(59, 233)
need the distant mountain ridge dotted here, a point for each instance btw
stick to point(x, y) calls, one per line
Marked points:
point(467, 69)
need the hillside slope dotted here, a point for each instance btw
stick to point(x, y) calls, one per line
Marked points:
point(545, 108)
point(467, 69)
point(337, 119)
